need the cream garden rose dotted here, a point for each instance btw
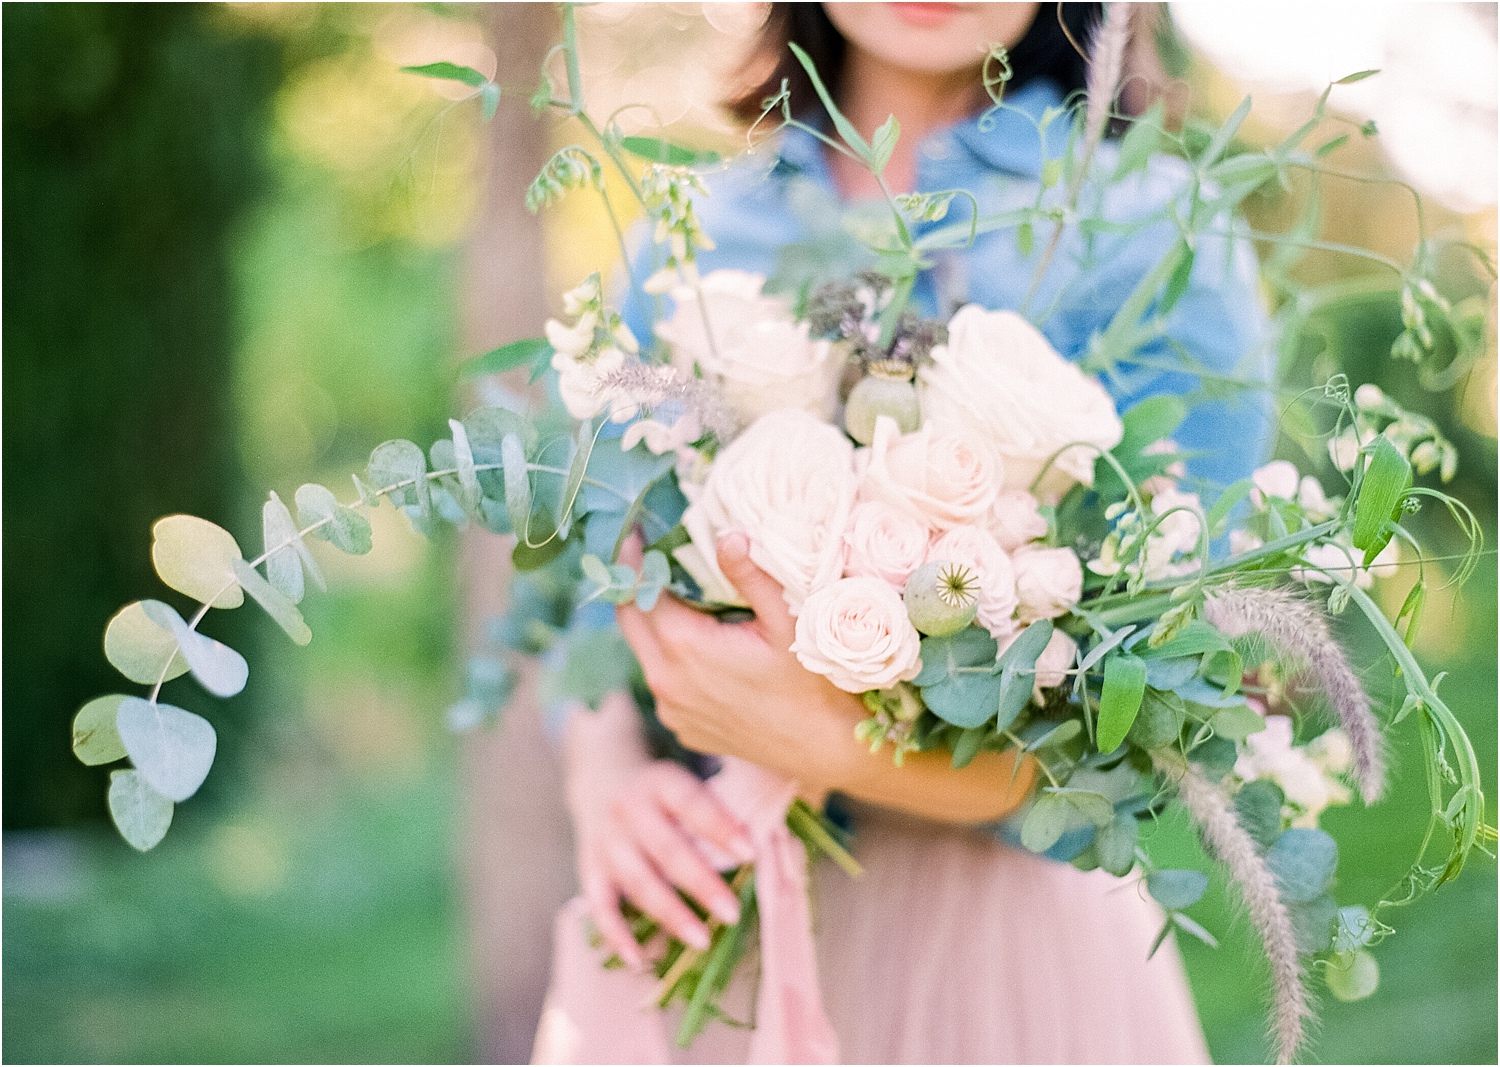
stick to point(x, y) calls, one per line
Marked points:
point(1015, 519)
point(978, 550)
point(760, 357)
point(943, 478)
point(883, 542)
point(1049, 581)
point(856, 633)
point(788, 484)
point(1001, 380)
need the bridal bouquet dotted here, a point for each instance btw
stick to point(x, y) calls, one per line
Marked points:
point(971, 537)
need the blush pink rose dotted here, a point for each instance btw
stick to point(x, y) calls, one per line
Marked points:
point(945, 479)
point(1014, 519)
point(883, 542)
point(1049, 581)
point(856, 633)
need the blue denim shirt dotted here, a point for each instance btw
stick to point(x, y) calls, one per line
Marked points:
point(765, 204)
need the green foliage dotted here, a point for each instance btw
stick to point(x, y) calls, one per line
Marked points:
point(1303, 861)
point(957, 680)
point(1175, 890)
point(95, 738)
point(141, 813)
point(172, 749)
point(1120, 701)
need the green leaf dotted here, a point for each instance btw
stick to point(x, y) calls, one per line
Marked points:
point(449, 72)
point(1333, 145)
point(1120, 700)
point(1176, 889)
point(95, 738)
point(1188, 926)
point(578, 467)
point(139, 648)
point(1303, 861)
point(219, 669)
point(1140, 142)
point(1224, 135)
point(401, 467)
point(276, 603)
point(1025, 239)
point(346, 529)
point(1385, 482)
point(1177, 284)
point(517, 486)
point(1051, 734)
point(1093, 807)
point(655, 574)
point(844, 126)
point(1194, 639)
point(952, 687)
point(141, 814)
point(1051, 172)
point(463, 459)
point(1312, 923)
point(1257, 807)
point(526, 557)
point(489, 96)
point(507, 357)
point(1350, 79)
point(1017, 669)
point(1115, 845)
point(171, 748)
point(1215, 757)
point(884, 143)
point(283, 565)
point(1218, 515)
point(1237, 722)
point(193, 556)
point(1159, 722)
point(1047, 821)
point(968, 744)
point(1352, 975)
point(674, 155)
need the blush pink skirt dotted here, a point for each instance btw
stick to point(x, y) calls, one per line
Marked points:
point(952, 948)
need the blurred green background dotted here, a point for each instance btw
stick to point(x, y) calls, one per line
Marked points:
point(232, 263)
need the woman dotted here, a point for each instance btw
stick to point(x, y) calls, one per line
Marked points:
point(953, 947)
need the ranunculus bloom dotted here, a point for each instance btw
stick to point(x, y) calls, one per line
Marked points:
point(760, 357)
point(978, 550)
point(883, 542)
point(1049, 582)
point(1015, 520)
point(1051, 666)
point(1001, 380)
point(788, 484)
point(856, 632)
point(941, 477)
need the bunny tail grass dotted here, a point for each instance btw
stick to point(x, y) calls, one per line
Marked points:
point(1296, 628)
point(1227, 840)
point(1106, 66)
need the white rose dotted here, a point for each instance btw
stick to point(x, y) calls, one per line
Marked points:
point(1054, 663)
point(760, 357)
point(1049, 582)
point(883, 542)
point(978, 550)
point(856, 632)
point(788, 484)
point(1014, 519)
point(942, 478)
point(999, 378)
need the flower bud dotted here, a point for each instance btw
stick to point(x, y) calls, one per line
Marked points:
point(879, 394)
point(941, 598)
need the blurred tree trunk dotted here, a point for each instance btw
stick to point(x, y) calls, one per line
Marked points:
point(517, 841)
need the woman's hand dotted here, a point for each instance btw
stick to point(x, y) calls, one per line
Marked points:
point(638, 823)
point(737, 689)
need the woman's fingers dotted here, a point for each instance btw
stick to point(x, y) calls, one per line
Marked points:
point(674, 855)
point(604, 907)
point(699, 810)
point(647, 890)
point(759, 588)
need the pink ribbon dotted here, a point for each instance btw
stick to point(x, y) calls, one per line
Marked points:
point(597, 1016)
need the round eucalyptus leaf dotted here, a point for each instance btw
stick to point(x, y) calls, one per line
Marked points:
point(1176, 889)
point(951, 688)
point(277, 604)
point(283, 565)
point(1257, 806)
point(1115, 845)
point(139, 648)
point(141, 814)
point(1303, 861)
point(196, 557)
point(219, 669)
point(95, 739)
point(1352, 975)
point(1312, 923)
point(1047, 820)
point(171, 748)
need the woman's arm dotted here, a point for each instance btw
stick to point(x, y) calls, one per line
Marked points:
point(736, 689)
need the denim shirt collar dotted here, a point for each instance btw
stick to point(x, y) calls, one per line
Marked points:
point(1005, 139)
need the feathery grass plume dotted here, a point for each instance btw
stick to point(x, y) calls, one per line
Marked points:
point(1106, 67)
point(1297, 629)
point(652, 386)
point(1213, 812)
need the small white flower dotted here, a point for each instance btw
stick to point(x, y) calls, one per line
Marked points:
point(1277, 478)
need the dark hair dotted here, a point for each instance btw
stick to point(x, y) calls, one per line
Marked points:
point(1044, 52)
